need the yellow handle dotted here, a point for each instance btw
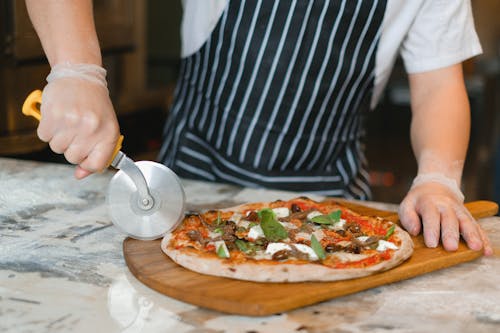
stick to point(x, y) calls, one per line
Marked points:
point(31, 107)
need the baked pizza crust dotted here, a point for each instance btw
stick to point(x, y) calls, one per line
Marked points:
point(272, 271)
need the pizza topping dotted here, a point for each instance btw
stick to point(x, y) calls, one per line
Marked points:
point(286, 231)
point(390, 232)
point(318, 249)
point(272, 229)
point(281, 212)
point(354, 229)
point(306, 250)
point(255, 232)
point(295, 208)
point(252, 216)
point(273, 248)
point(367, 241)
point(281, 255)
point(221, 249)
point(313, 214)
point(385, 245)
point(194, 235)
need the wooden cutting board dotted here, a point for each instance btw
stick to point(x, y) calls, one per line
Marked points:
point(152, 267)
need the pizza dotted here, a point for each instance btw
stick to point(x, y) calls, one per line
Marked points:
point(287, 241)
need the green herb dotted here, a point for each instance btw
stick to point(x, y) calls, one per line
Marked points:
point(273, 230)
point(318, 249)
point(251, 225)
point(335, 216)
point(390, 231)
point(222, 251)
point(242, 246)
point(219, 230)
point(332, 218)
point(218, 221)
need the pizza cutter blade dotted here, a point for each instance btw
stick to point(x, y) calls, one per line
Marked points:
point(145, 199)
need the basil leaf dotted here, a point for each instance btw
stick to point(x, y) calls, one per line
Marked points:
point(273, 230)
point(332, 218)
point(222, 252)
point(242, 246)
point(252, 224)
point(218, 221)
point(322, 219)
point(390, 231)
point(335, 216)
point(318, 249)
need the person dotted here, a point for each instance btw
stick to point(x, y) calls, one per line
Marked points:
point(272, 93)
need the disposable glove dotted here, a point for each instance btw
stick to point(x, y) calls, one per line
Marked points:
point(435, 203)
point(78, 119)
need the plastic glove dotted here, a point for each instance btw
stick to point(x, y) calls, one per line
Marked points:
point(436, 203)
point(78, 119)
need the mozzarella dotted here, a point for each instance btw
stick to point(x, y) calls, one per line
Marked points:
point(319, 234)
point(272, 248)
point(243, 223)
point(385, 245)
point(313, 214)
point(288, 225)
point(302, 236)
point(362, 238)
point(307, 250)
point(339, 225)
point(281, 212)
point(255, 232)
point(236, 217)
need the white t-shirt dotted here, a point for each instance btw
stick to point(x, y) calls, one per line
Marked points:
point(428, 34)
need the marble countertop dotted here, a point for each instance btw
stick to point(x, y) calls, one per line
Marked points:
point(62, 270)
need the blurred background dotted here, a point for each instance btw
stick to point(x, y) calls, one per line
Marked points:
point(141, 46)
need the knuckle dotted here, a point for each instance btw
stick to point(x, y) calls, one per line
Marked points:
point(73, 157)
point(91, 122)
point(57, 147)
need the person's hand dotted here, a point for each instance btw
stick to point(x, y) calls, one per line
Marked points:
point(78, 120)
point(440, 212)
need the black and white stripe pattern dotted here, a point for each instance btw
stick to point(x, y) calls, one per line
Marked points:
point(274, 98)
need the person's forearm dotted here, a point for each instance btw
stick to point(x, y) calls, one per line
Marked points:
point(441, 121)
point(66, 30)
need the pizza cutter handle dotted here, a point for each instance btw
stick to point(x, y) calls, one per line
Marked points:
point(31, 107)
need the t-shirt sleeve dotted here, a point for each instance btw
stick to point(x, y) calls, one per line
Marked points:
point(442, 34)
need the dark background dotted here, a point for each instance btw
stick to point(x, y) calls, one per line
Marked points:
point(141, 46)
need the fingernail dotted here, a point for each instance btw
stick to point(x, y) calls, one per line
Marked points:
point(431, 242)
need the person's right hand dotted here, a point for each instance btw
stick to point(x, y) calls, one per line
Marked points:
point(78, 120)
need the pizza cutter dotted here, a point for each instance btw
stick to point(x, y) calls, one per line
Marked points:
point(145, 199)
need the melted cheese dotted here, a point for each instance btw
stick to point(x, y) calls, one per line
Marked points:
point(281, 212)
point(255, 232)
point(313, 214)
point(385, 245)
point(307, 250)
point(272, 248)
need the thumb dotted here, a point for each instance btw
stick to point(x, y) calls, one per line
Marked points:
point(81, 173)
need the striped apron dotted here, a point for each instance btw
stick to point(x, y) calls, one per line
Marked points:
point(275, 97)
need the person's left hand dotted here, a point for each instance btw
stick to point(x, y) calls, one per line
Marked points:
point(436, 209)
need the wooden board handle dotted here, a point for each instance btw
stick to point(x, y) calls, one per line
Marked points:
point(482, 208)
